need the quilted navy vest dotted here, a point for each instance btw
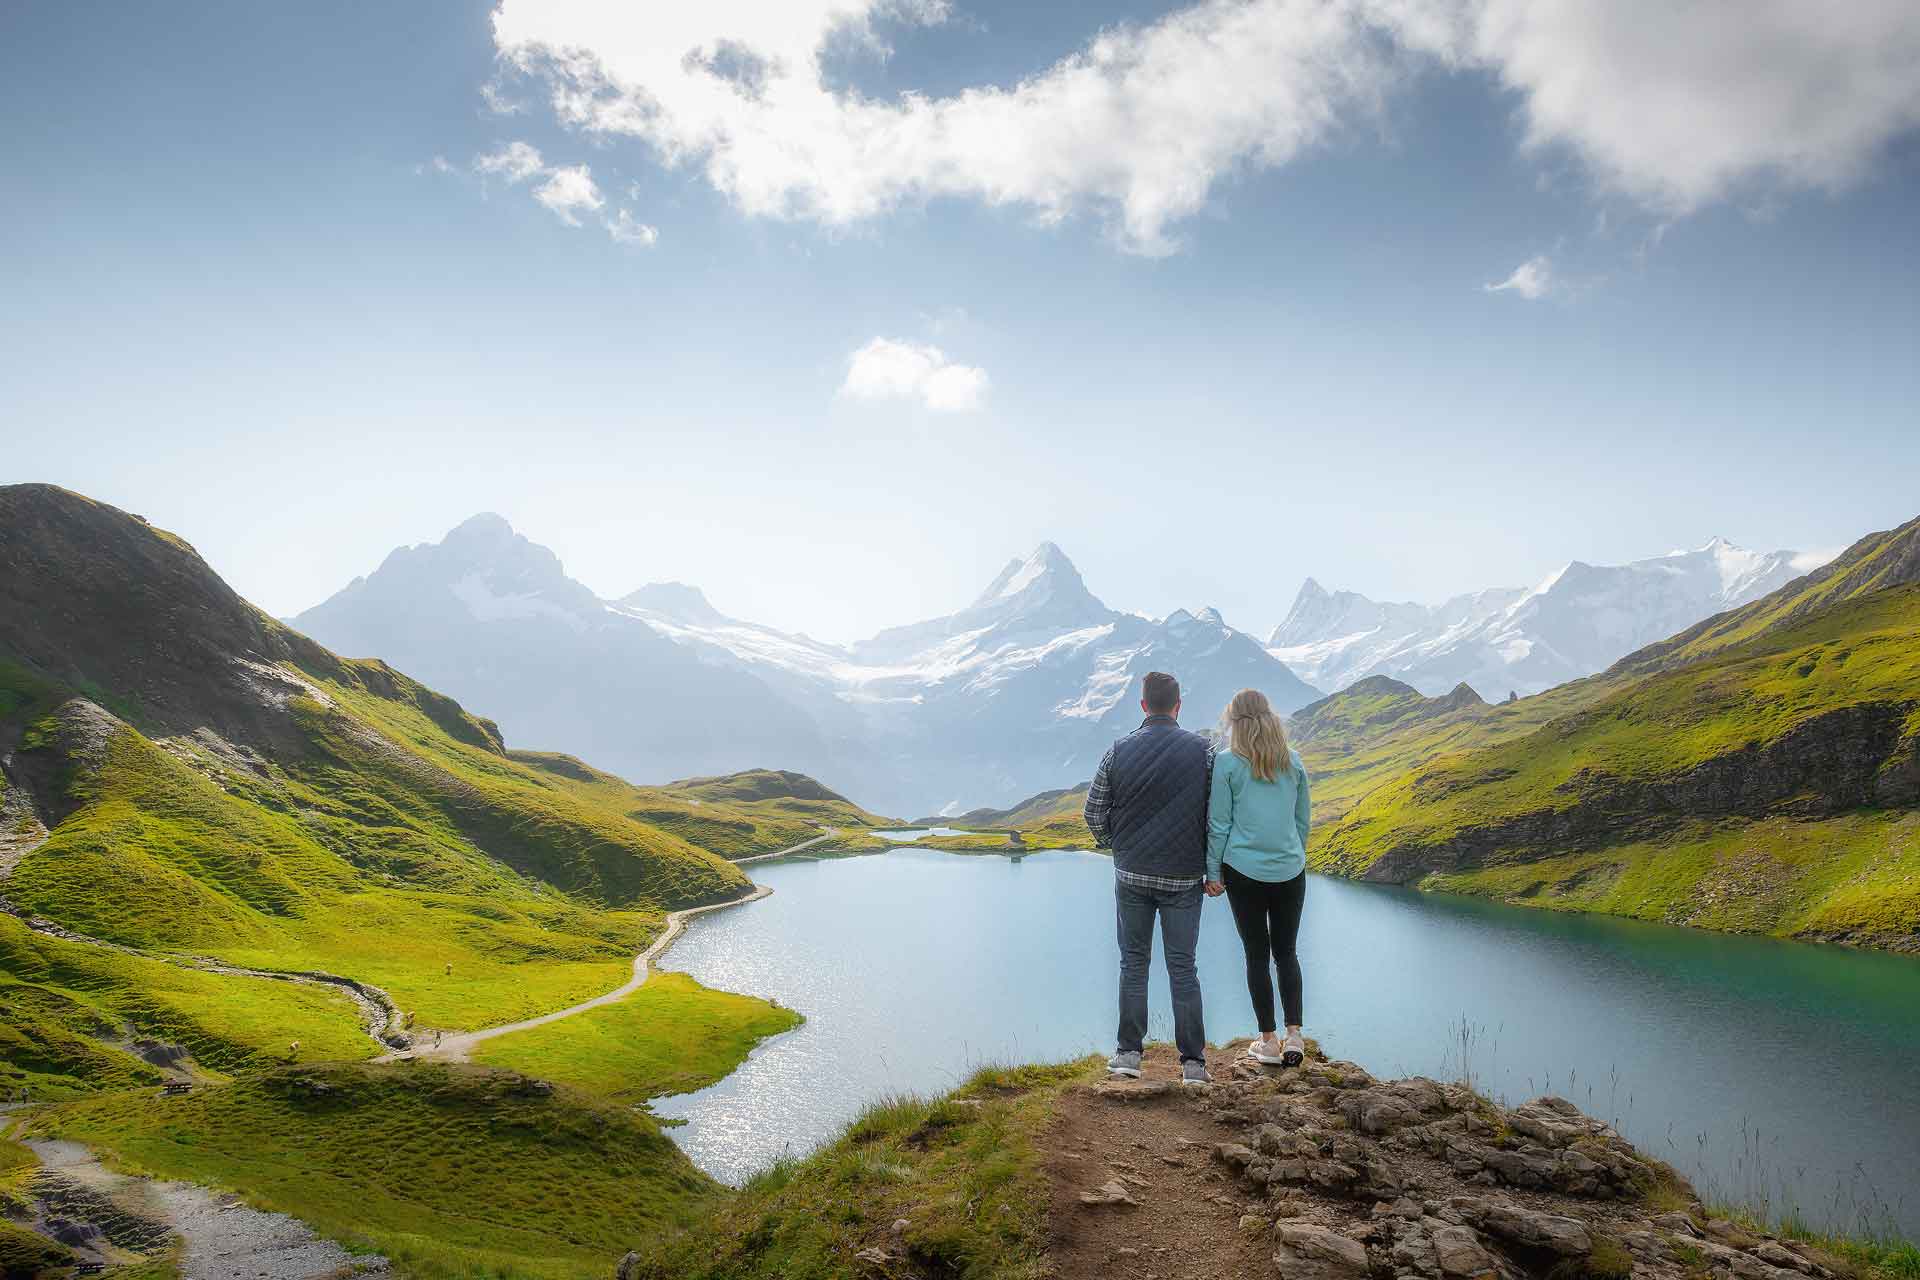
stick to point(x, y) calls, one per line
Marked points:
point(1159, 780)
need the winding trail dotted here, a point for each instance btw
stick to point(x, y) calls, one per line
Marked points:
point(458, 1047)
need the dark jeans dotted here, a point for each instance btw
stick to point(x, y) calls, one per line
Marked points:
point(1268, 918)
point(1179, 912)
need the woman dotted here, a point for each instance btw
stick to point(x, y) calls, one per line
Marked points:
point(1257, 823)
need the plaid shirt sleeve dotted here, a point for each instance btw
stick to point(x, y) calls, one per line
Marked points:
point(1100, 802)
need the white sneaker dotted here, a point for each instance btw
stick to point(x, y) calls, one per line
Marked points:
point(1259, 1052)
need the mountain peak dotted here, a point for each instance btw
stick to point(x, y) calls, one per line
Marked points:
point(1046, 574)
point(486, 526)
point(677, 600)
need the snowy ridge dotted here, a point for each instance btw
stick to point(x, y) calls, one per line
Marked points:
point(1576, 621)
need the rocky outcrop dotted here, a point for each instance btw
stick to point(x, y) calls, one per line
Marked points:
point(1851, 757)
point(1420, 1180)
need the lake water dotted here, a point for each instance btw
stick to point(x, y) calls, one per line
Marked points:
point(1759, 1068)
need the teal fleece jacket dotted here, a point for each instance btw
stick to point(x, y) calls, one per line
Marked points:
point(1258, 828)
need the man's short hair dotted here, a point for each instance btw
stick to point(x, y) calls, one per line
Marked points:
point(1162, 693)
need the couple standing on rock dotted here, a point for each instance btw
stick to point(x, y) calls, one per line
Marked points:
point(1184, 821)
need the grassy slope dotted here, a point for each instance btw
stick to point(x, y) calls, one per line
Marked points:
point(451, 1171)
point(671, 1036)
point(963, 1169)
point(316, 813)
point(1856, 877)
point(70, 1004)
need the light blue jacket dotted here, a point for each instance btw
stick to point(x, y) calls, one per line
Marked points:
point(1258, 828)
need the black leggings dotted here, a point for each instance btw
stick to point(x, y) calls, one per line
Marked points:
point(1268, 917)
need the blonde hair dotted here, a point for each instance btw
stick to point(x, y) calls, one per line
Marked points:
point(1255, 735)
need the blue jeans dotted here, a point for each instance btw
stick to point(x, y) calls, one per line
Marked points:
point(1179, 912)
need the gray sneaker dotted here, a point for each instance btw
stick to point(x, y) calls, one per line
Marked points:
point(1194, 1073)
point(1124, 1064)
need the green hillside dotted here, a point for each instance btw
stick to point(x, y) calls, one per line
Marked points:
point(208, 824)
point(1758, 772)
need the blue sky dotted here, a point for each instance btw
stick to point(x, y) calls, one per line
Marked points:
point(1199, 293)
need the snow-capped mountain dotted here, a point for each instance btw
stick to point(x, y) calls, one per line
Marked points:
point(1018, 692)
point(1578, 621)
point(494, 620)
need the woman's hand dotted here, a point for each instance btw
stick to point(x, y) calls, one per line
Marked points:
point(1215, 888)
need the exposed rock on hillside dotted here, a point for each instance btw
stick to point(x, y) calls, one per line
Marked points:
point(1335, 1175)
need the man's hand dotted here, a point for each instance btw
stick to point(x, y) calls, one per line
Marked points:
point(1215, 888)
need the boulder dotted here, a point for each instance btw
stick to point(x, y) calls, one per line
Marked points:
point(1309, 1251)
point(1459, 1252)
point(1567, 1237)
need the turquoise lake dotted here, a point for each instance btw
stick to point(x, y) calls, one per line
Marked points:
point(1764, 1070)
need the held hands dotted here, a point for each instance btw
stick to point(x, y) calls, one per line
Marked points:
point(1215, 888)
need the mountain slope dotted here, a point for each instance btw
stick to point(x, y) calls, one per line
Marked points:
point(1016, 692)
point(1575, 623)
point(250, 796)
point(494, 620)
point(1761, 771)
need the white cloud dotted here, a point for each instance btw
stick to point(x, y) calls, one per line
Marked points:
point(887, 368)
point(516, 162)
point(627, 229)
point(569, 192)
point(498, 103)
point(1675, 105)
point(1682, 105)
point(1532, 279)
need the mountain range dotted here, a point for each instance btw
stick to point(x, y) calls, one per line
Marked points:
point(1019, 691)
point(1508, 640)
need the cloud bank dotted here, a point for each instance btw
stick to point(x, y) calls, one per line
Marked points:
point(890, 369)
point(568, 192)
point(1672, 105)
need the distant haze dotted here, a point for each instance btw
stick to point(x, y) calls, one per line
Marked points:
point(1016, 692)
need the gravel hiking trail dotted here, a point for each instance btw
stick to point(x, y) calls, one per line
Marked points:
point(113, 1218)
point(1179, 1218)
point(458, 1047)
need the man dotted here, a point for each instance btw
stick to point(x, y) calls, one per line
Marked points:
point(1148, 803)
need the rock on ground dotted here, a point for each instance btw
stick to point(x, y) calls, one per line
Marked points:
point(1324, 1172)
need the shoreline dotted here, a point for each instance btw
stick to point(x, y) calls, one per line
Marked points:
point(459, 1046)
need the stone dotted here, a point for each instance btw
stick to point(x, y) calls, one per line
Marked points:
point(875, 1257)
point(1309, 1251)
point(1420, 1093)
point(1234, 1153)
point(1252, 1222)
point(1133, 1092)
point(1772, 1251)
point(1459, 1252)
point(1112, 1191)
point(1378, 1111)
point(628, 1267)
point(1567, 1237)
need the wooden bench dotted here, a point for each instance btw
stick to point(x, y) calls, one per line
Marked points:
point(176, 1088)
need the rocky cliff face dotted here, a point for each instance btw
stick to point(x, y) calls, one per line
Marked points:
point(1865, 755)
point(1356, 1177)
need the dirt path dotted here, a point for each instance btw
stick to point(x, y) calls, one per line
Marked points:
point(113, 1218)
point(377, 1014)
point(1155, 1140)
point(459, 1046)
point(827, 833)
